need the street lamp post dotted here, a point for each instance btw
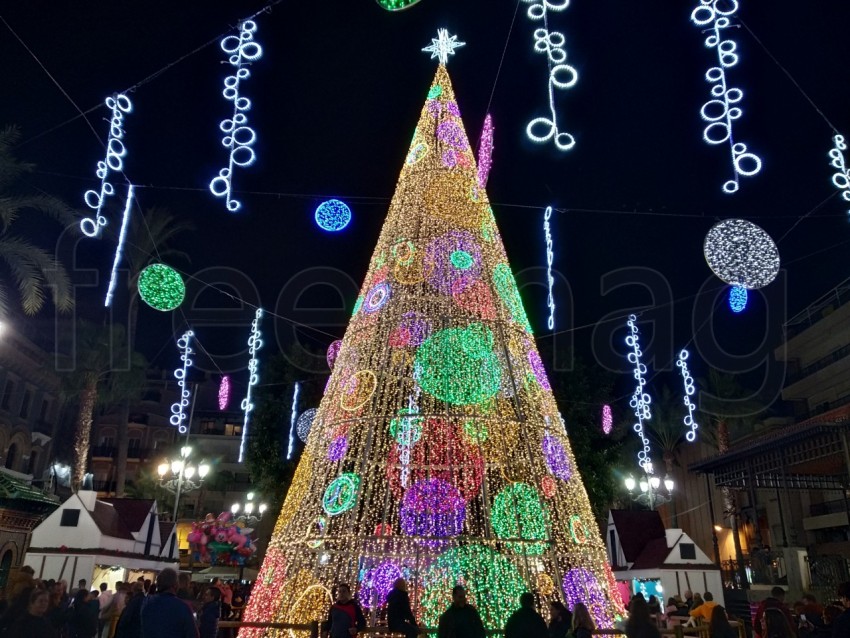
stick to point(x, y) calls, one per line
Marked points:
point(182, 473)
point(650, 495)
point(251, 519)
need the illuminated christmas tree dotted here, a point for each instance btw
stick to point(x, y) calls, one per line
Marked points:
point(438, 452)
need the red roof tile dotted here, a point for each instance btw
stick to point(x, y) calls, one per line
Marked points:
point(653, 555)
point(636, 529)
point(109, 521)
point(133, 511)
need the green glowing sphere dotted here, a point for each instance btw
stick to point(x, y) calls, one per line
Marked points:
point(406, 429)
point(161, 287)
point(458, 366)
point(341, 494)
point(462, 260)
point(505, 284)
point(396, 5)
point(518, 514)
point(493, 584)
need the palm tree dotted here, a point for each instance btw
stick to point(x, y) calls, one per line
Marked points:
point(96, 353)
point(152, 234)
point(33, 269)
point(667, 430)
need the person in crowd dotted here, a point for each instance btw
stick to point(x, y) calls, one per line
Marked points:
point(399, 613)
point(119, 600)
point(130, 623)
point(210, 613)
point(82, 621)
point(164, 615)
point(812, 608)
point(776, 600)
point(184, 591)
point(654, 605)
point(345, 617)
point(560, 620)
point(774, 624)
point(689, 599)
point(525, 622)
point(81, 584)
point(57, 608)
point(696, 601)
point(704, 611)
point(640, 624)
point(33, 623)
point(104, 616)
point(583, 625)
point(460, 620)
point(18, 591)
point(719, 625)
point(841, 624)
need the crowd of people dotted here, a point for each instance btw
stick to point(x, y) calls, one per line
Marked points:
point(772, 619)
point(171, 607)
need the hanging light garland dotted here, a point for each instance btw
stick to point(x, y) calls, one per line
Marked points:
point(178, 410)
point(690, 389)
point(291, 447)
point(485, 152)
point(119, 249)
point(561, 75)
point(738, 298)
point(640, 400)
point(841, 177)
point(723, 108)
point(224, 393)
point(255, 342)
point(238, 137)
point(607, 419)
point(120, 105)
point(550, 256)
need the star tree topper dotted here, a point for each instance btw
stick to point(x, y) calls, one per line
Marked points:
point(443, 46)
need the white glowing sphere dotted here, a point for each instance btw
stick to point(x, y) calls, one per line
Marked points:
point(305, 422)
point(741, 253)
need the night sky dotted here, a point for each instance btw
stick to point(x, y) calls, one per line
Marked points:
point(337, 94)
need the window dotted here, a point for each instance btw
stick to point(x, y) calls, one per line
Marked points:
point(25, 404)
point(8, 391)
point(11, 456)
point(70, 518)
point(45, 406)
point(232, 429)
point(208, 426)
point(687, 551)
point(5, 567)
point(106, 440)
point(160, 442)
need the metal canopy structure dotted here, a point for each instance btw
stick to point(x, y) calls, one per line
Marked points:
point(806, 456)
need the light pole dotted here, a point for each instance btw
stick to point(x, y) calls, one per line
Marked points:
point(182, 473)
point(650, 495)
point(251, 519)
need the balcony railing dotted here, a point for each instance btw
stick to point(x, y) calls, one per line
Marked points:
point(837, 506)
point(821, 363)
point(761, 568)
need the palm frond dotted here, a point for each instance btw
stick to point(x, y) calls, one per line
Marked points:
point(153, 234)
point(33, 269)
point(11, 168)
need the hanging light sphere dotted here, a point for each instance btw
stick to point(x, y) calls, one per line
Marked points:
point(737, 299)
point(741, 254)
point(396, 5)
point(333, 215)
point(161, 287)
point(305, 422)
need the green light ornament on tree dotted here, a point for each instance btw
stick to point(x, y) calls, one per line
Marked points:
point(458, 366)
point(161, 287)
point(396, 5)
point(517, 513)
point(492, 582)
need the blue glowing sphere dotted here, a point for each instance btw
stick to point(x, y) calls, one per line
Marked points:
point(333, 215)
point(737, 298)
